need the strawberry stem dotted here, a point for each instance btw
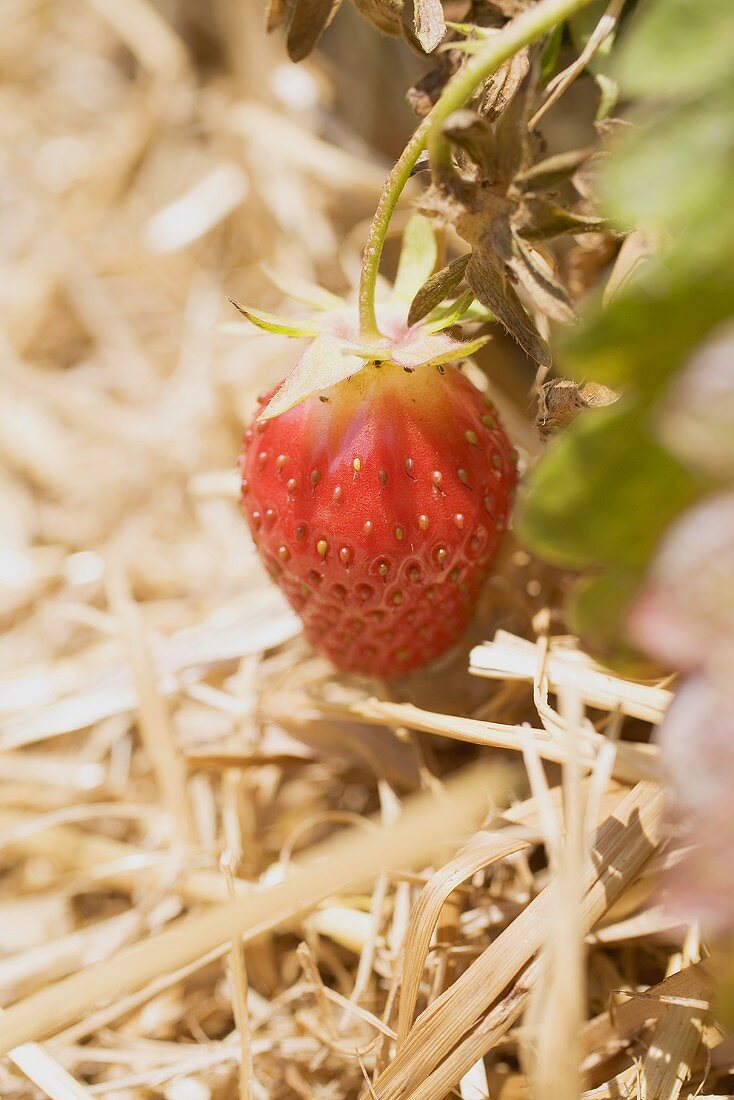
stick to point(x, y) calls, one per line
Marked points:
point(391, 192)
point(522, 31)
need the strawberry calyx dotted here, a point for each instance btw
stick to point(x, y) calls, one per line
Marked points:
point(337, 350)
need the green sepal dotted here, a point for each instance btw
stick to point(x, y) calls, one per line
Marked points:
point(451, 314)
point(282, 326)
point(418, 257)
point(322, 365)
point(301, 290)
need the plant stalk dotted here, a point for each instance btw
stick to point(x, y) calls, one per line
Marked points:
point(522, 31)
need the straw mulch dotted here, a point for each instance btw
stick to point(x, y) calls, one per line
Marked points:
point(198, 898)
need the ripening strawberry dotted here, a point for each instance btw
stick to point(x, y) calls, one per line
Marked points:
point(376, 479)
point(377, 506)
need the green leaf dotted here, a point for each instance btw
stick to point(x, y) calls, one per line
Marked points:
point(417, 258)
point(376, 353)
point(603, 493)
point(479, 313)
point(323, 364)
point(272, 322)
point(678, 48)
point(301, 290)
point(464, 28)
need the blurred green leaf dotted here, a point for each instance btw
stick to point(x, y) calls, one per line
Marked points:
point(606, 489)
point(549, 55)
point(609, 90)
point(603, 493)
point(676, 171)
point(597, 613)
point(651, 324)
point(678, 48)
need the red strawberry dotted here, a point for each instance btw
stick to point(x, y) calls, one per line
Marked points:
point(377, 507)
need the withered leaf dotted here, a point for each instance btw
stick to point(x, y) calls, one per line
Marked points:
point(310, 20)
point(430, 25)
point(425, 93)
point(561, 400)
point(539, 218)
point(553, 170)
point(485, 274)
point(534, 276)
point(438, 287)
point(503, 85)
point(510, 8)
point(515, 145)
point(384, 15)
point(473, 134)
point(276, 13)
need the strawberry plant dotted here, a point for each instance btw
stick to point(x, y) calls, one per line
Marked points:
point(367, 473)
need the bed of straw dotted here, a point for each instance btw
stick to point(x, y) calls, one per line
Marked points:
point(198, 895)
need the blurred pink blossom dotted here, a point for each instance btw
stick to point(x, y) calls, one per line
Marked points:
point(684, 616)
point(697, 416)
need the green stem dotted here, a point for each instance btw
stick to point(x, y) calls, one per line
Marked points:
point(522, 31)
point(391, 192)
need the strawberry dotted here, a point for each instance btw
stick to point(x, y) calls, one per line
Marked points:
point(376, 479)
point(376, 505)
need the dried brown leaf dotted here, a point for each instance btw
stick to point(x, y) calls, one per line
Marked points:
point(310, 20)
point(516, 147)
point(277, 13)
point(385, 15)
point(532, 273)
point(539, 219)
point(430, 25)
point(422, 96)
point(473, 134)
point(561, 400)
point(553, 170)
point(486, 275)
point(503, 85)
